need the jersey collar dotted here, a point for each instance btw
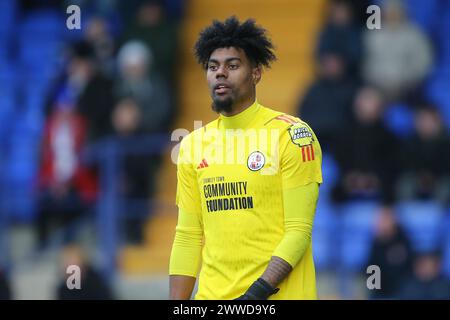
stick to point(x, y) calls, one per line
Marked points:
point(240, 120)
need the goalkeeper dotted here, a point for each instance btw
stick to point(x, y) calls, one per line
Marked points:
point(244, 226)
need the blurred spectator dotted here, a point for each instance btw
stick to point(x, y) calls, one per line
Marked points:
point(98, 36)
point(138, 171)
point(66, 187)
point(89, 87)
point(398, 55)
point(158, 33)
point(359, 8)
point(427, 281)
point(391, 251)
point(366, 152)
point(426, 158)
point(95, 91)
point(5, 290)
point(341, 34)
point(331, 95)
point(138, 80)
point(93, 286)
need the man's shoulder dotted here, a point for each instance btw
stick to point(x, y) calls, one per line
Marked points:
point(292, 128)
point(281, 120)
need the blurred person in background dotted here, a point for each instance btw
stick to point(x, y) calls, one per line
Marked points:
point(94, 90)
point(102, 42)
point(91, 90)
point(391, 251)
point(137, 176)
point(138, 80)
point(152, 27)
point(342, 34)
point(426, 158)
point(326, 105)
point(427, 281)
point(366, 152)
point(398, 56)
point(358, 9)
point(93, 285)
point(67, 188)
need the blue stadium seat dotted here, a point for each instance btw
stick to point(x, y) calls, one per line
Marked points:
point(40, 40)
point(356, 229)
point(325, 221)
point(8, 95)
point(441, 70)
point(423, 222)
point(5, 47)
point(8, 76)
point(8, 15)
point(7, 105)
point(323, 238)
point(423, 13)
point(330, 173)
point(437, 91)
point(443, 25)
point(40, 56)
point(20, 176)
point(400, 120)
point(42, 25)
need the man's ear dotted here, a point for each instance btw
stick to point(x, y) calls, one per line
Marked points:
point(256, 74)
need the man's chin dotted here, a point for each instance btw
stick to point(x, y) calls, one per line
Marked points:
point(220, 104)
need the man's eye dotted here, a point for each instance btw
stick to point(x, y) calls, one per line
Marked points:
point(212, 67)
point(233, 66)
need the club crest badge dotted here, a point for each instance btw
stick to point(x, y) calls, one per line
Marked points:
point(256, 161)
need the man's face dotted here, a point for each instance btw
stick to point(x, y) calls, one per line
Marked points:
point(231, 78)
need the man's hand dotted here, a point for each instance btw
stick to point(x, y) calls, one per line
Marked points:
point(259, 290)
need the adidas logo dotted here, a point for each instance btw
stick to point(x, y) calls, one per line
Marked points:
point(203, 164)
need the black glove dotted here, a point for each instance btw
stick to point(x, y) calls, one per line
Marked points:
point(259, 290)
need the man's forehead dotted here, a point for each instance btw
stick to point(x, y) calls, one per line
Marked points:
point(227, 53)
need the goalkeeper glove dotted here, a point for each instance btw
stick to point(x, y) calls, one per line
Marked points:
point(259, 290)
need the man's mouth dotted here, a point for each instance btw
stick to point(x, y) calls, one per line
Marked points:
point(221, 89)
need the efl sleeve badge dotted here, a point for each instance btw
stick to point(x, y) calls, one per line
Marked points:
point(301, 135)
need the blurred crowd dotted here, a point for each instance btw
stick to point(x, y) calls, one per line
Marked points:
point(90, 99)
point(115, 81)
point(379, 118)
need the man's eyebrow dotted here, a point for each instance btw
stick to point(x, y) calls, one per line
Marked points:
point(233, 58)
point(226, 60)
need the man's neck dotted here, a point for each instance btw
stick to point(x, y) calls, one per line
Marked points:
point(239, 107)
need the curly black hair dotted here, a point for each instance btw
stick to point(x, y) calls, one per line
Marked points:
point(231, 33)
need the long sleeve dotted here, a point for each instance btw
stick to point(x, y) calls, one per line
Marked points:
point(186, 251)
point(187, 246)
point(299, 210)
point(301, 176)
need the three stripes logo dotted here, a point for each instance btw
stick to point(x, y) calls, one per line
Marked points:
point(307, 153)
point(203, 164)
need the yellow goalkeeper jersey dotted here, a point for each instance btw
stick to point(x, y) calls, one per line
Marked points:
point(232, 173)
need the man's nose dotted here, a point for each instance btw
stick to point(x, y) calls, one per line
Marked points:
point(221, 72)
